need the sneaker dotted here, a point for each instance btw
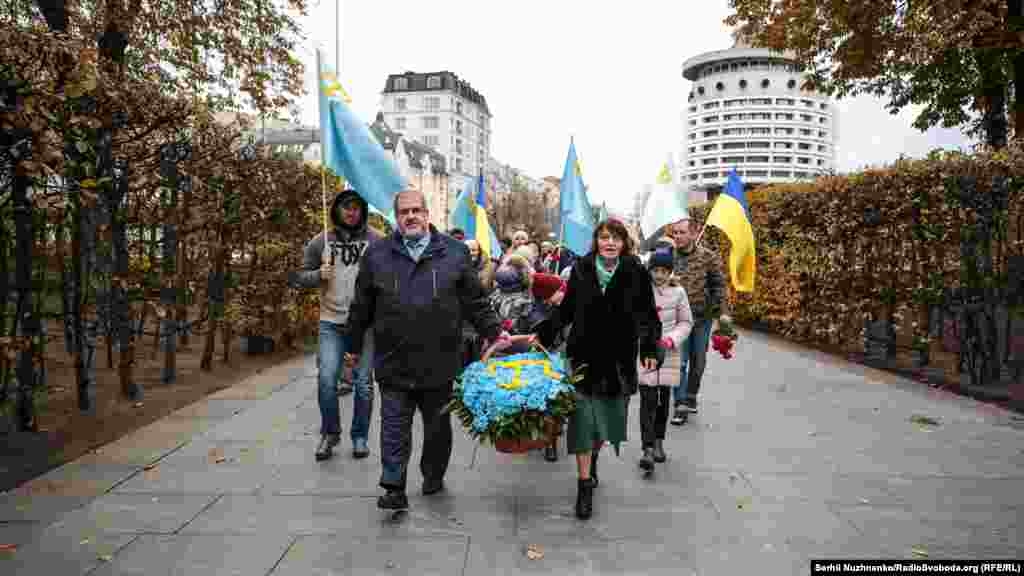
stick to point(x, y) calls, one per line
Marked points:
point(647, 460)
point(359, 448)
point(325, 448)
point(393, 500)
point(680, 415)
point(690, 405)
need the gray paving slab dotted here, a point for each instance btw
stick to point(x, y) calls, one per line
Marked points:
point(137, 513)
point(426, 555)
point(188, 554)
point(793, 456)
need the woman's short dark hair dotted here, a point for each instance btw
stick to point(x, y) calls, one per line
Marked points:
point(617, 229)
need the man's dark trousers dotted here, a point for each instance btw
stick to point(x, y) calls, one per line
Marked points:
point(396, 412)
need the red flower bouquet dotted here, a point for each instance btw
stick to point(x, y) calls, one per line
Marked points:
point(724, 339)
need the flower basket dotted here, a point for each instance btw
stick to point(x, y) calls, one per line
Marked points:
point(515, 402)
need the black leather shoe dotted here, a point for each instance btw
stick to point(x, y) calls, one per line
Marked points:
point(393, 500)
point(680, 415)
point(430, 488)
point(585, 498)
point(647, 460)
point(659, 451)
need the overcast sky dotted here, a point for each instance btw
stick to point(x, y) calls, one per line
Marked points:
point(608, 73)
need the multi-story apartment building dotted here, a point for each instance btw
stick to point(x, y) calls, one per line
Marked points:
point(445, 113)
point(749, 109)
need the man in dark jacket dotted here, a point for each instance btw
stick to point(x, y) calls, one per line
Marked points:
point(334, 271)
point(415, 289)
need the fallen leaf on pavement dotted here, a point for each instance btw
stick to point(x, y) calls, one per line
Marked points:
point(83, 542)
point(138, 404)
point(106, 557)
point(8, 547)
point(533, 552)
point(151, 473)
point(921, 552)
point(864, 501)
point(215, 456)
point(923, 421)
point(744, 502)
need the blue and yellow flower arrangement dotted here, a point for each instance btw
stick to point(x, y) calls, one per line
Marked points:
point(520, 397)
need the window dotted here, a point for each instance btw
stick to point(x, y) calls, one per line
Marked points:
point(458, 127)
point(458, 164)
point(805, 132)
point(709, 119)
point(400, 123)
point(711, 105)
point(822, 134)
point(758, 159)
point(693, 122)
point(758, 145)
point(791, 84)
point(757, 173)
point(458, 147)
point(785, 102)
point(433, 82)
point(400, 84)
point(431, 140)
point(784, 145)
point(821, 147)
point(431, 122)
point(731, 103)
point(709, 175)
point(765, 83)
point(708, 161)
point(732, 160)
point(781, 116)
point(820, 162)
point(807, 118)
point(458, 107)
point(400, 104)
point(761, 131)
point(808, 103)
point(822, 120)
point(719, 86)
point(693, 149)
point(800, 175)
point(743, 82)
point(824, 106)
point(694, 176)
point(783, 159)
point(431, 103)
point(693, 108)
point(761, 101)
point(708, 147)
point(781, 174)
point(783, 131)
point(804, 146)
point(692, 136)
point(691, 163)
point(803, 160)
point(734, 145)
point(710, 133)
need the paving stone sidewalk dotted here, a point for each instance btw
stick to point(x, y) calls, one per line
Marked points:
point(793, 456)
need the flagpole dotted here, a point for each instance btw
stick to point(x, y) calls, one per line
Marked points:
point(323, 172)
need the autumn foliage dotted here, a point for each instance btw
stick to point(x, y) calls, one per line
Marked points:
point(875, 245)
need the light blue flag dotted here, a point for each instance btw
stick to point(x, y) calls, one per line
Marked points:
point(577, 217)
point(351, 151)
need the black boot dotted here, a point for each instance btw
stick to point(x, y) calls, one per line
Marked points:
point(584, 498)
point(647, 460)
point(393, 500)
point(551, 451)
point(593, 467)
point(659, 451)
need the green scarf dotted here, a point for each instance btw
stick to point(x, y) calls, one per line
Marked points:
point(604, 276)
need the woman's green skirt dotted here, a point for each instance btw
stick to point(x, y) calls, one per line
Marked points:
point(597, 419)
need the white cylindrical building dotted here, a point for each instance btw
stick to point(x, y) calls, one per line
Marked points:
point(746, 110)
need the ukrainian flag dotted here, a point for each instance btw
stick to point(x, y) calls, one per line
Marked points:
point(470, 214)
point(731, 215)
point(351, 151)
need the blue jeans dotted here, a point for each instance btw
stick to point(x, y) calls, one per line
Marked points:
point(333, 344)
point(693, 357)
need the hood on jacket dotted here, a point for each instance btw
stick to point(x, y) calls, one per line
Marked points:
point(364, 211)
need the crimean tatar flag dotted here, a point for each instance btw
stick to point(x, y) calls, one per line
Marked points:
point(731, 215)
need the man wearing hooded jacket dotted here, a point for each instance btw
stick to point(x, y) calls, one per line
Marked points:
point(332, 266)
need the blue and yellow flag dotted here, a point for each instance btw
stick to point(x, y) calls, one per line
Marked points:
point(731, 215)
point(470, 214)
point(351, 151)
point(577, 217)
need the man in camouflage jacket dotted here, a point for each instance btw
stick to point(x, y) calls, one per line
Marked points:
point(699, 271)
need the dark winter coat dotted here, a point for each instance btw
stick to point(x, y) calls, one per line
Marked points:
point(609, 330)
point(417, 310)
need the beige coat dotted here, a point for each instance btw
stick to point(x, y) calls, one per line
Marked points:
point(676, 323)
